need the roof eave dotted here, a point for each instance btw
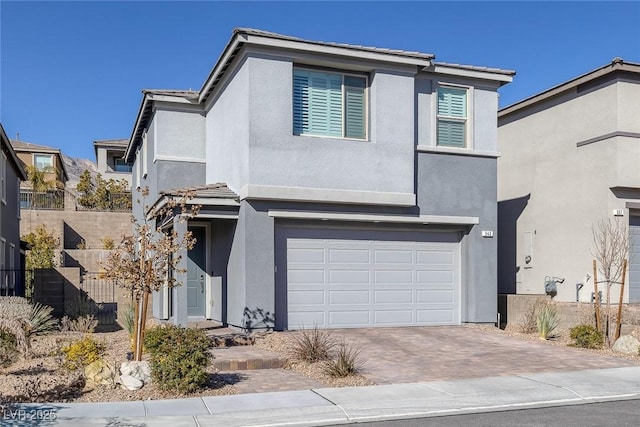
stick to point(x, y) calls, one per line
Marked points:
point(241, 38)
point(22, 174)
point(501, 76)
point(616, 65)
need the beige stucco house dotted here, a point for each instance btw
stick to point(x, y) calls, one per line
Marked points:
point(570, 156)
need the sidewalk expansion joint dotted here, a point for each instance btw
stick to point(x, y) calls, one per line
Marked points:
point(334, 404)
point(553, 385)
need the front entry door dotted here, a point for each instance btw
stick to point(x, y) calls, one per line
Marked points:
point(197, 273)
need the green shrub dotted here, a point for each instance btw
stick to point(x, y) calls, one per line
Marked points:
point(346, 361)
point(586, 336)
point(547, 320)
point(312, 345)
point(179, 357)
point(82, 352)
point(8, 348)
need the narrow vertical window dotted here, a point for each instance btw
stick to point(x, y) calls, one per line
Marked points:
point(452, 117)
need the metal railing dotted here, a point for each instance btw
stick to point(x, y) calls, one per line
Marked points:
point(52, 200)
point(112, 202)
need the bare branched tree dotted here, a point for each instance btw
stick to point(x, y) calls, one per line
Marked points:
point(611, 248)
point(144, 262)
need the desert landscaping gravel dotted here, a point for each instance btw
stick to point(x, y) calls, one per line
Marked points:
point(41, 378)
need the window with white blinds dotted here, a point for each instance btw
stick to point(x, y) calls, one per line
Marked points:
point(452, 117)
point(329, 104)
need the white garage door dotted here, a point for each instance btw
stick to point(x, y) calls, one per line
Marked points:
point(335, 283)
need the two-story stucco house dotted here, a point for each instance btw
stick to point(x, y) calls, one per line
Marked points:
point(340, 186)
point(569, 159)
point(110, 159)
point(11, 174)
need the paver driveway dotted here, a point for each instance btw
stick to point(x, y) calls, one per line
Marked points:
point(400, 355)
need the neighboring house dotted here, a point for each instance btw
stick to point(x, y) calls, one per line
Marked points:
point(569, 158)
point(48, 160)
point(340, 186)
point(11, 174)
point(110, 161)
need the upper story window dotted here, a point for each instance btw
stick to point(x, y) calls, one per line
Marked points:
point(329, 104)
point(452, 117)
point(43, 161)
point(120, 165)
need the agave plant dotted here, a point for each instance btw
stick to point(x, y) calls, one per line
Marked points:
point(547, 321)
point(41, 322)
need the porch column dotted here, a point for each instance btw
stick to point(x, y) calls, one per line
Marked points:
point(180, 292)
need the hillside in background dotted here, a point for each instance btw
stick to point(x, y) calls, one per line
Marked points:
point(76, 166)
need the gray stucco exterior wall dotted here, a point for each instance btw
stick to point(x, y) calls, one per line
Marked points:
point(10, 223)
point(466, 186)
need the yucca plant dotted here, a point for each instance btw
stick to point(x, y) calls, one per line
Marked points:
point(128, 317)
point(547, 321)
point(41, 322)
point(312, 345)
point(346, 361)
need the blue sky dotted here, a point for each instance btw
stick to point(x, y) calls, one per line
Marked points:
point(72, 72)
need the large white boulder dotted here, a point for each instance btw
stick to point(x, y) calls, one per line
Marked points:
point(130, 383)
point(626, 344)
point(139, 370)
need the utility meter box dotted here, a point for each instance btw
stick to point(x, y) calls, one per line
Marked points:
point(550, 287)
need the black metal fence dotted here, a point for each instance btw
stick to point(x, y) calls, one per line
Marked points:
point(51, 200)
point(100, 295)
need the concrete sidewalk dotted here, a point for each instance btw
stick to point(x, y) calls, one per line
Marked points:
point(327, 406)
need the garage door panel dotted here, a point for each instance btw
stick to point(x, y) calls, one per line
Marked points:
point(349, 256)
point(349, 297)
point(435, 277)
point(306, 319)
point(307, 297)
point(435, 317)
point(306, 255)
point(393, 277)
point(393, 256)
point(435, 258)
point(393, 317)
point(351, 318)
point(349, 277)
point(435, 296)
point(361, 282)
point(305, 276)
point(401, 296)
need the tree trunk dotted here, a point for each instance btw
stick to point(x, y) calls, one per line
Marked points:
point(597, 296)
point(619, 317)
point(139, 328)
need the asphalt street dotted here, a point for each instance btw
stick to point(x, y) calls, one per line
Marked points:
point(619, 413)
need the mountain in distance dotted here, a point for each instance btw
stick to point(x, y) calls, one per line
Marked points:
point(75, 167)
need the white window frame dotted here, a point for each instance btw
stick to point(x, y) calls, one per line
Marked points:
point(18, 198)
point(145, 155)
point(50, 156)
point(3, 177)
point(12, 266)
point(469, 119)
point(366, 102)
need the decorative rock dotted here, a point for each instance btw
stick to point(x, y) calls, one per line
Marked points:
point(139, 370)
point(626, 344)
point(100, 373)
point(130, 383)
